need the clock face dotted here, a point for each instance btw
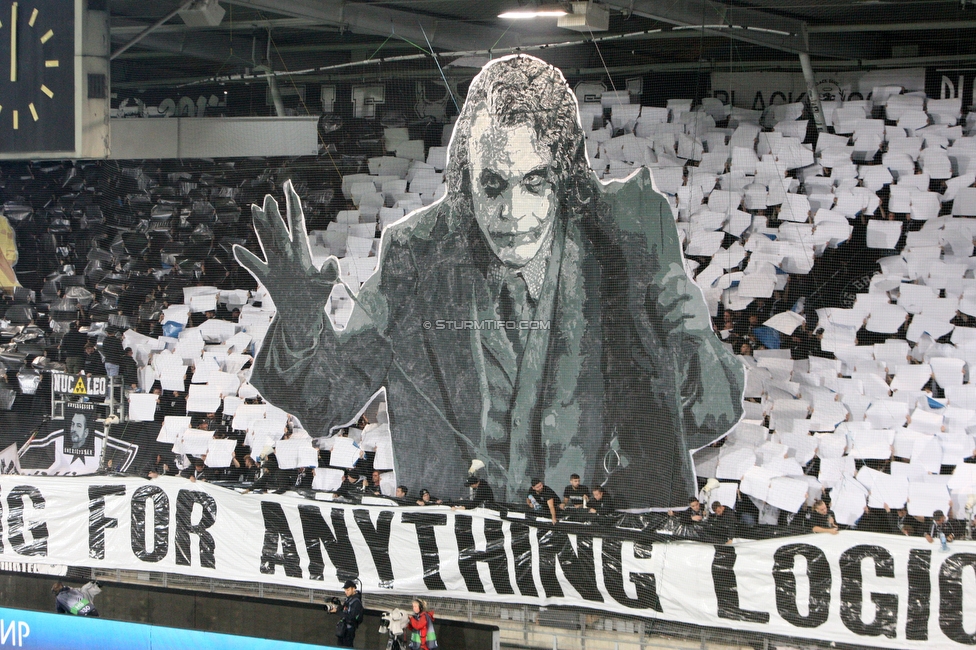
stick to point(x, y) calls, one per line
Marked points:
point(37, 85)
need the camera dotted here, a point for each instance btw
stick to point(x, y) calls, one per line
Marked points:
point(333, 602)
point(393, 623)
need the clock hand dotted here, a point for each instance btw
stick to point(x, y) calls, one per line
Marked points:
point(13, 42)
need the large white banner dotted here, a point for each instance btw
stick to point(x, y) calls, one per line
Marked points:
point(870, 589)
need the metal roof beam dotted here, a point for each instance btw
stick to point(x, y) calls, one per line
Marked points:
point(369, 19)
point(715, 19)
point(237, 25)
point(892, 27)
point(789, 65)
point(198, 46)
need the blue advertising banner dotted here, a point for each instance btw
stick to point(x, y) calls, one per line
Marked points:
point(43, 631)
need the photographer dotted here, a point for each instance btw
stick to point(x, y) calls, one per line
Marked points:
point(350, 614)
point(420, 627)
point(77, 602)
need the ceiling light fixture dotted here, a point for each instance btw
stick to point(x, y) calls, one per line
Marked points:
point(541, 11)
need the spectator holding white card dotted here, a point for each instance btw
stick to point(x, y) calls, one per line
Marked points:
point(822, 519)
point(899, 521)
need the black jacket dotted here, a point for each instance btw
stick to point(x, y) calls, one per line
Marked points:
point(302, 480)
point(129, 370)
point(160, 467)
point(208, 474)
point(93, 364)
point(113, 350)
point(73, 344)
point(483, 494)
point(686, 517)
point(352, 611)
point(720, 529)
point(604, 506)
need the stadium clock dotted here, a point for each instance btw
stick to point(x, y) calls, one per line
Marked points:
point(54, 79)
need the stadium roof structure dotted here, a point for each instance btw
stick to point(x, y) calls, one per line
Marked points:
point(322, 40)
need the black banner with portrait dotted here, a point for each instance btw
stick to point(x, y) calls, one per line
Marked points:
point(74, 445)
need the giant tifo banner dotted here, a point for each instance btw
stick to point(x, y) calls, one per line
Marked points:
point(871, 589)
point(533, 319)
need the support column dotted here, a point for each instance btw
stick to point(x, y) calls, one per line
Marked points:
point(273, 82)
point(812, 93)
